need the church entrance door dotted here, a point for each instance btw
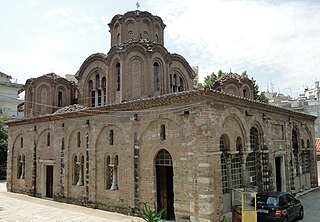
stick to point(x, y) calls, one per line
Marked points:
point(49, 181)
point(164, 174)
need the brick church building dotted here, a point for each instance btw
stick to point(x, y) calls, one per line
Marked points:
point(130, 129)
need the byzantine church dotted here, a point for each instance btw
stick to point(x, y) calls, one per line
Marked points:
point(129, 128)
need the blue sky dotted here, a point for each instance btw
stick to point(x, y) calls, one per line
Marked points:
point(277, 42)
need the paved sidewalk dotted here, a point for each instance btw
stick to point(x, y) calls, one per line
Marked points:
point(17, 207)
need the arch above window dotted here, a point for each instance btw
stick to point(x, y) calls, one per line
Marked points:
point(163, 158)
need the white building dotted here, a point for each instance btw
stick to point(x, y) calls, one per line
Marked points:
point(9, 96)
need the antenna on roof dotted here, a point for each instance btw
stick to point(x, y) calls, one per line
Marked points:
point(138, 5)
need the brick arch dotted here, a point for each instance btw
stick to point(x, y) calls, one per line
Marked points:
point(155, 124)
point(233, 114)
point(104, 132)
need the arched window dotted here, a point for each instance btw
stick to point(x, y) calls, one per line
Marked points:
point(114, 185)
point(75, 174)
point(92, 94)
point(252, 158)
point(78, 139)
point(118, 76)
point(60, 95)
point(108, 173)
point(111, 142)
point(180, 86)
point(162, 132)
point(245, 93)
point(104, 89)
point(97, 81)
point(130, 35)
point(176, 83)
point(80, 171)
point(48, 139)
point(19, 163)
point(156, 76)
point(21, 142)
point(145, 35)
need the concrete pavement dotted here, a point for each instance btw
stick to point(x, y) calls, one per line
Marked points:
point(17, 207)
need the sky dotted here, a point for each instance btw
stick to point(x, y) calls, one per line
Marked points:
point(276, 41)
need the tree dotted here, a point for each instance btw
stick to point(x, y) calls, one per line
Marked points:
point(210, 79)
point(3, 147)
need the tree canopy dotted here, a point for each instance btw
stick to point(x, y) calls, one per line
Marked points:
point(3, 146)
point(210, 79)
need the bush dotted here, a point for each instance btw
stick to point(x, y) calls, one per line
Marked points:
point(149, 214)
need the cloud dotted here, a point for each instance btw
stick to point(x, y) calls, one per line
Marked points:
point(282, 37)
point(57, 12)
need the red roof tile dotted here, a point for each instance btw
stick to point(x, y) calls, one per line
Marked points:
point(318, 146)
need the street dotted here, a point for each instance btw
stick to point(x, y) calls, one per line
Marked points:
point(311, 205)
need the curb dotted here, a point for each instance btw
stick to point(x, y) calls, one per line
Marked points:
point(299, 194)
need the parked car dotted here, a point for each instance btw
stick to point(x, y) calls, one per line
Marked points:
point(278, 207)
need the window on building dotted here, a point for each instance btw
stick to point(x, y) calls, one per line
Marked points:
point(236, 179)
point(118, 76)
point(111, 141)
point(145, 35)
point(99, 97)
point(308, 158)
point(48, 139)
point(251, 162)
point(60, 99)
point(245, 93)
point(162, 132)
point(130, 35)
point(80, 168)
point(97, 81)
point(21, 142)
point(104, 90)
point(92, 93)
point(78, 139)
point(156, 76)
point(118, 38)
point(108, 173)
point(176, 83)
point(19, 163)
point(180, 86)
point(75, 170)
point(224, 172)
point(114, 185)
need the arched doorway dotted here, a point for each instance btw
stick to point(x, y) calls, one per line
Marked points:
point(164, 180)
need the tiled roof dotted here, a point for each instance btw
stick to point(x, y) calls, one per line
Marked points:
point(318, 146)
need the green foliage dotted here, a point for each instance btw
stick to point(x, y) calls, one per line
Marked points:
point(199, 85)
point(210, 79)
point(149, 214)
point(3, 147)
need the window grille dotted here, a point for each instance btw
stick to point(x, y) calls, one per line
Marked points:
point(224, 174)
point(251, 169)
point(164, 158)
point(236, 172)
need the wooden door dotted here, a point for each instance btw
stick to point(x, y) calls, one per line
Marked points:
point(49, 181)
